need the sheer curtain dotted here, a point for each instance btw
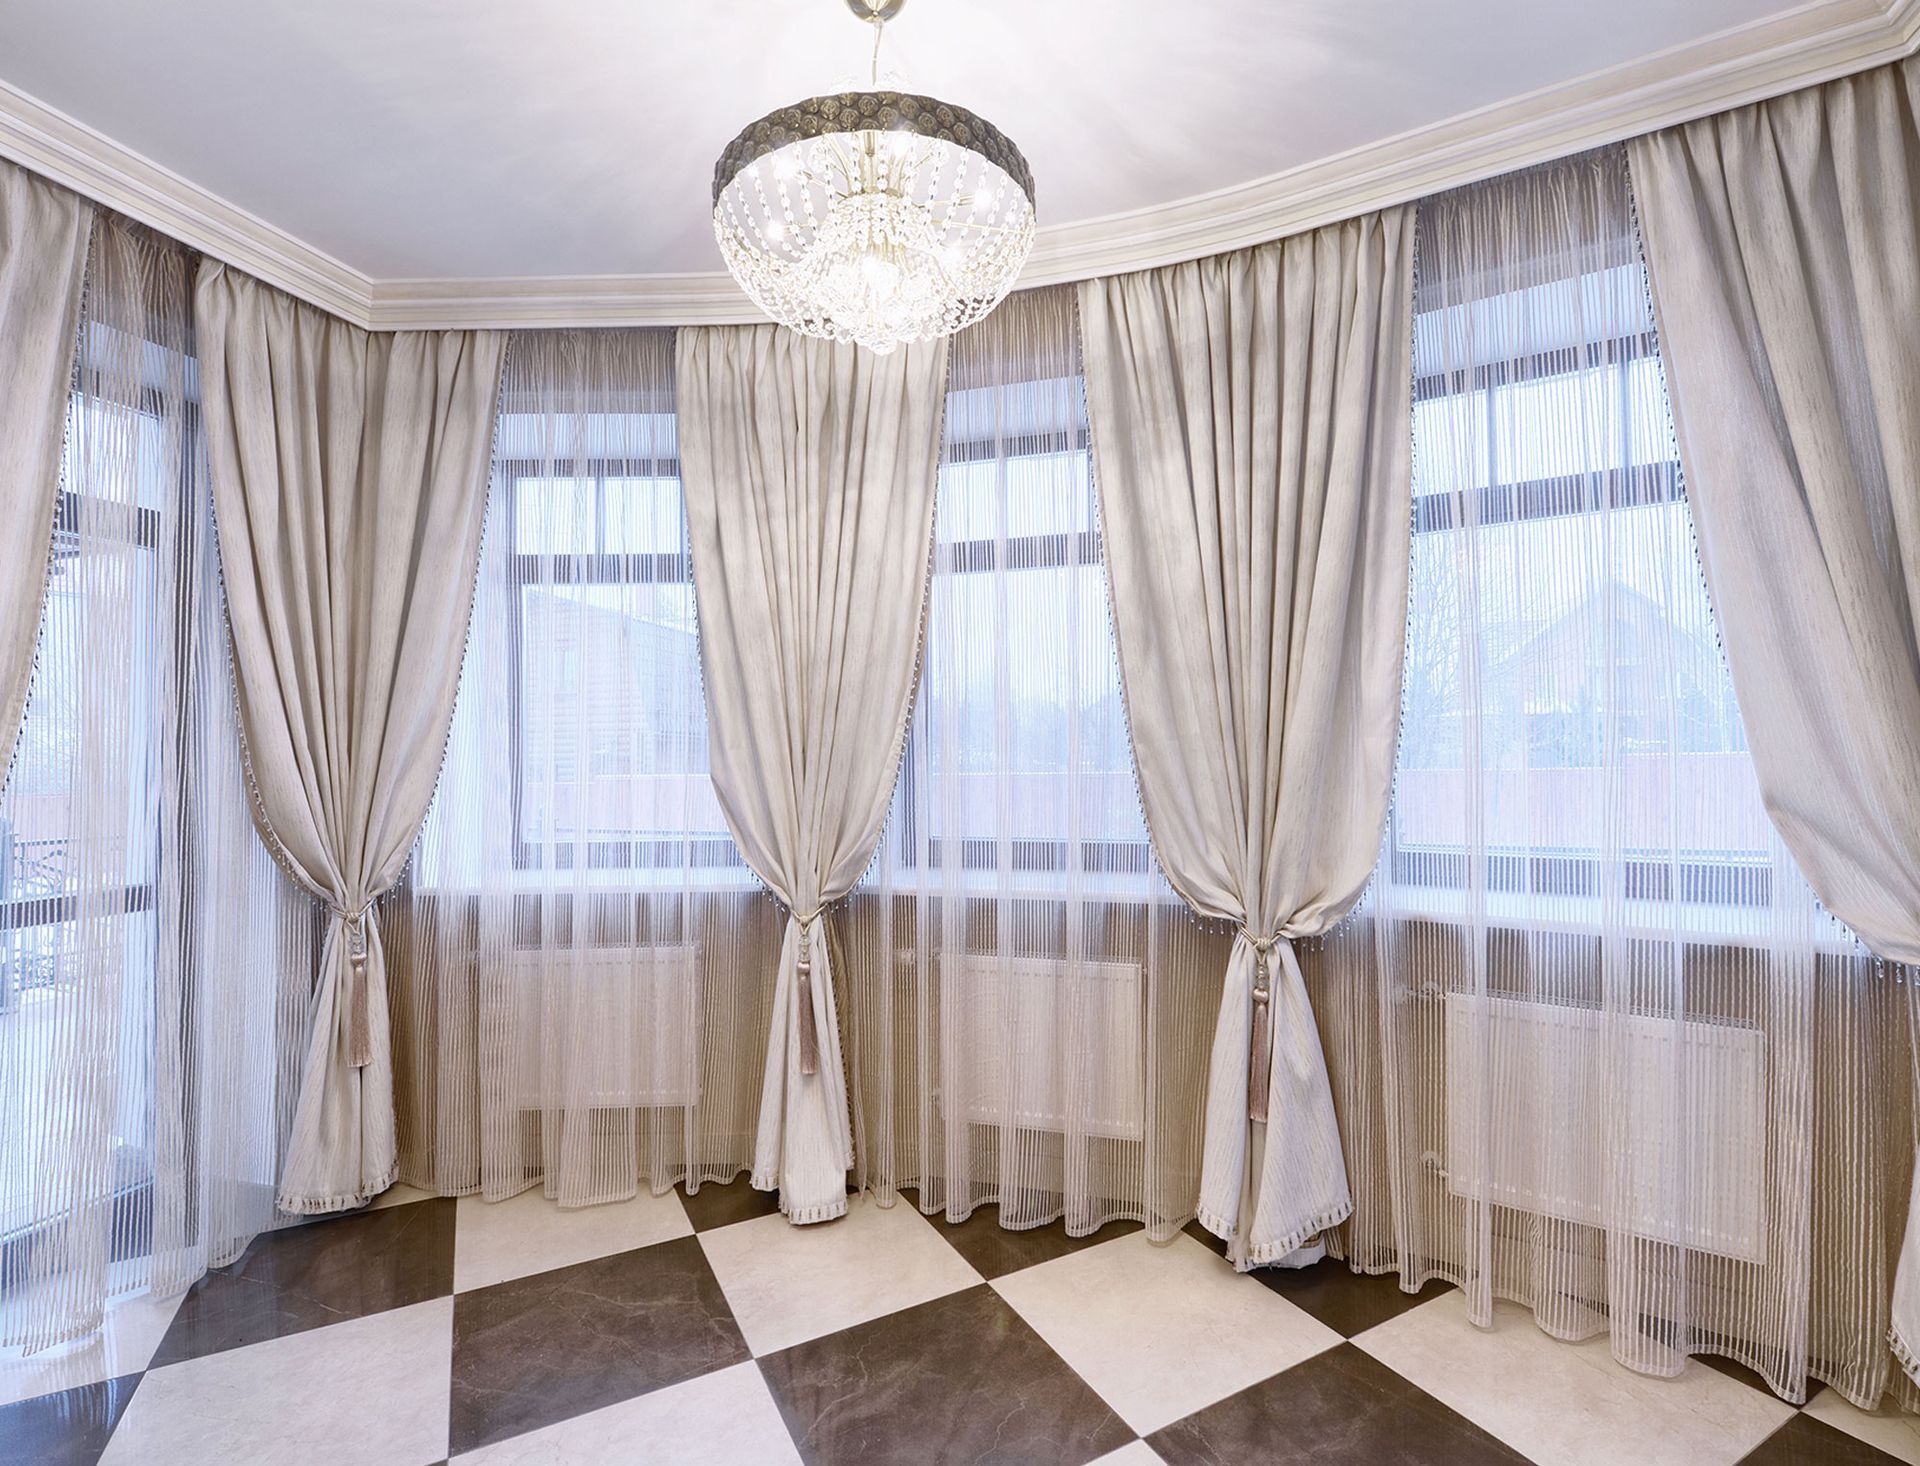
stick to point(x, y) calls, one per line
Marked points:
point(1030, 1006)
point(579, 959)
point(154, 965)
point(1595, 1047)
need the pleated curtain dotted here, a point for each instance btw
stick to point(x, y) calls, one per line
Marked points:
point(1596, 1051)
point(43, 258)
point(1783, 241)
point(1029, 1004)
point(154, 966)
point(579, 955)
point(349, 478)
point(1249, 418)
point(809, 470)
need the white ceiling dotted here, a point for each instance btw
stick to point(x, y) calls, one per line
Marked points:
point(449, 139)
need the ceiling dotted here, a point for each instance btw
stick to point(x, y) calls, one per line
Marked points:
point(446, 140)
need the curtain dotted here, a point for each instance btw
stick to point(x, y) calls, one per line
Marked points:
point(1030, 1006)
point(349, 474)
point(579, 960)
point(810, 470)
point(1594, 1045)
point(1784, 245)
point(1249, 417)
point(154, 966)
point(43, 257)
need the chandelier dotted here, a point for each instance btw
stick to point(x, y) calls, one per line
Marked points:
point(873, 216)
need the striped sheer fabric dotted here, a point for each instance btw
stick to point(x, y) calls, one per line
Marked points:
point(1029, 1006)
point(154, 964)
point(1596, 1049)
point(580, 956)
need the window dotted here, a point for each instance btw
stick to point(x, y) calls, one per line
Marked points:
point(610, 746)
point(1569, 714)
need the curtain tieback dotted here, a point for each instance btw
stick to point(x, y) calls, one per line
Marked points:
point(360, 1036)
point(1260, 1049)
point(809, 1026)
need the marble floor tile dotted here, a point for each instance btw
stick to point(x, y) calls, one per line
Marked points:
point(538, 1350)
point(726, 1418)
point(1161, 1330)
point(1134, 1453)
point(1347, 1302)
point(1570, 1403)
point(68, 1428)
point(995, 1251)
point(124, 1345)
point(715, 1205)
point(398, 1194)
point(368, 1392)
point(960, 1379)
point(322, 1273)
point(1338, 1406)
point(498, 1240)
point(1805, 1441)
point(1896, 1434)
point(787, 1284)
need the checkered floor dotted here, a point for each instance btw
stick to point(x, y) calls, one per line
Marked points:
point(705, 1329)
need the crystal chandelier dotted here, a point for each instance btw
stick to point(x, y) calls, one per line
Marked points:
point(873, 216)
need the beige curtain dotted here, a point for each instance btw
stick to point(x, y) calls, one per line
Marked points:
point(1249, 419)
point(809, 471)
point(43, 260)
point(349, 476)
point(1783, 242)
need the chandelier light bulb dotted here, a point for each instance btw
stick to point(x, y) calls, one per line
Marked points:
point(875, 216)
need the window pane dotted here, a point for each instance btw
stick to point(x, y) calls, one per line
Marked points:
point(644, 516)
point(554, 516)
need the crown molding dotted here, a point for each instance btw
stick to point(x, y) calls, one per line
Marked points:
point(1812, 43)
point(93, 165)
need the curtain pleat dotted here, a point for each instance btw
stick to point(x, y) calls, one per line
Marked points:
point(1594, 1045)
point(1030, 1005)
point(579, 961)
point(810, 469)
point(155, 966)
point(1249, 419)
point(349, 474)
point(43, 259)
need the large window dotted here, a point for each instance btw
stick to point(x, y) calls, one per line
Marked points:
point(610, 764)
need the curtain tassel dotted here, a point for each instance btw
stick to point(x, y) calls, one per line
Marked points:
point(359, 1026)
point(809, 1026)
point(1260, 1058)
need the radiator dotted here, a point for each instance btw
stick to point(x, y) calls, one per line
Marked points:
point(1673, 1149)
point(1024, 1035)
point(608, 1027)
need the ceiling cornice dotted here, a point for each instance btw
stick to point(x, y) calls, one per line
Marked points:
point(69, 152)
point(1813, 43)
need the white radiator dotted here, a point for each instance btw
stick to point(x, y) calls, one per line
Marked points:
point(1684, 1163)
point(609, 1027)
point(1026, 1035)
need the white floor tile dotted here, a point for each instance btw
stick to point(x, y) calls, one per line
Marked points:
point(726, 1418)
point(398, 1194)
point(369, 1392)
point(1891, 1431)
point(787, 1284)
point(1133, 1453)
point(1161, 1331)
point(124, 1345)
point(497, 1240)
point(1570, 1403)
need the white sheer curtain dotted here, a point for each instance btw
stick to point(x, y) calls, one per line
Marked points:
point(154, 965)
point(1595, 1047)
point(579, 961)
point(1030, 1006)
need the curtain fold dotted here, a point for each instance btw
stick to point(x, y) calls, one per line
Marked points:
point(349, 473)
point(1783, 242)
point(810, 470)
point(154, 965)
point(578, 954)
point(43, 261)
point(1029, 1004)
point(1249, 418)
